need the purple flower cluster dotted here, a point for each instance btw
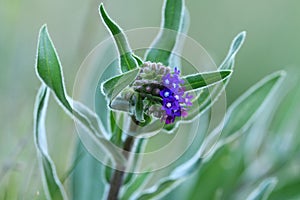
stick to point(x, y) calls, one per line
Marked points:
point(174, 99)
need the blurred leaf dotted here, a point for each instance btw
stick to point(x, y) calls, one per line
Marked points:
point(127, 59)
point(243, 111)
point(289, 190)
point(264, 189)
point(138, 182)
point(52, 185)
point(48, 66)
point(112, 87)
point(201, 80)
point(138, 60)
point(160, 50)
point(245, 108)
point(87, 179)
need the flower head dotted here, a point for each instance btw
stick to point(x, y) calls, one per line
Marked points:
point(163, 89)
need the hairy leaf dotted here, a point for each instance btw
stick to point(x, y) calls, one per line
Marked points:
point(201, 80)
point(127, 59)
point(52, 185)
point(83, 115)
point(161, 49)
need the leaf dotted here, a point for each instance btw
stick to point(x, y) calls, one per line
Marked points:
point(243, 111)
point(127, 59)
point(87, 119)
point(235, 46)
point(48, 67)
point(139, 112)
point(264, 189)
point(138, 182)
point(52, 185)
point(112, 87)
point(200, 80)
point(87, 177)
point(162, 46)
point(246, 107)
point(210, 95)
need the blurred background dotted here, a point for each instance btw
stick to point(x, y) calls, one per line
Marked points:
point(272, 43)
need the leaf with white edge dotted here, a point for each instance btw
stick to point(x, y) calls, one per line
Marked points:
point(162, 46)
point(127, 59)
point(50, 72)
point(243, 112)
point(210, 95)
point(263, 191)
point(201, 80)
point(235, 46)
point(246, 107)
point(52, 185)
point(48, 66)
point(175, 59)
point(112, 87)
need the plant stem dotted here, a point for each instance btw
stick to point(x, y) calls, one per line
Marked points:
point(117, 179)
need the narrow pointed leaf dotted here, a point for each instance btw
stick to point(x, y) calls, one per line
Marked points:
point(48, 67)
point(127, 59)
point(235, 46)
point(209, 96)
point(161, 49)
point(54, 80)
point(263, 191)
point(201, 80)
point(52, 185)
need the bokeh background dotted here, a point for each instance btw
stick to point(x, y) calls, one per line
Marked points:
point(272, 43)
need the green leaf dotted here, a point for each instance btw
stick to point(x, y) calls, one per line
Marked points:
point(243, 111)
point(175, 59)
point(264, 189)
point(116, 131)
point(112, 87)
point(87, 178)
point(48, 67)
point(52, 185)
point(83, 115)
point(161, 49)
point(200, 80)
point(209, 95)
point(127, 59)
point(246, 107)
point(235, 46)
point(137, 183)
point(139, 108)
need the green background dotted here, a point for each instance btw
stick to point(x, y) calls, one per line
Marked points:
point(272, 43)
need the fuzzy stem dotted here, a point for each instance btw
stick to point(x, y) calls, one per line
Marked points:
point(118, 176)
